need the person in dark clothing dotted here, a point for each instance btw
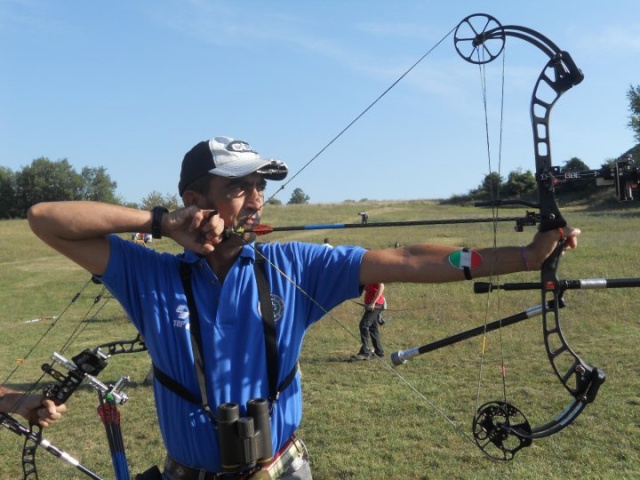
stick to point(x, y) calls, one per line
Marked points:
point(374, 303)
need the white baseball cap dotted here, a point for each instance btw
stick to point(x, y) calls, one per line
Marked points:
point(229, 158)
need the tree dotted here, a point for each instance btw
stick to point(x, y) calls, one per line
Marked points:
point(298, 197)
point(7, 194)
point(634, 107)
point(97, 186)
point(46, 181)
point(155, 199)
point(520, 184)
point(574, 165)
point(491, 185)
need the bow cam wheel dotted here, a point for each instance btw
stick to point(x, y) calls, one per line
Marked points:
point(500, 430)
point(479, 38)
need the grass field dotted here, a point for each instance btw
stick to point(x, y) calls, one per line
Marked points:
point(368, 420)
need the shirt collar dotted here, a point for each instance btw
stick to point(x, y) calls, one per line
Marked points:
point(248, 251)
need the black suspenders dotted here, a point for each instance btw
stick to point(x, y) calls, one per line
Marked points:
point(270, 339)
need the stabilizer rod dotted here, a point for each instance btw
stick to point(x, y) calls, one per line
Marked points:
point(584, 284)
point(401, 356)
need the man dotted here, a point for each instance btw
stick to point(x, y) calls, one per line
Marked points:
point(373, 305)
point(33, 407)
point(214, 293)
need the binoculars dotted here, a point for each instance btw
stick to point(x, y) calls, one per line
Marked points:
point(244, 441)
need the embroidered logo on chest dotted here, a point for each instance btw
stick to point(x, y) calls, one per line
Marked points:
point(278, 307)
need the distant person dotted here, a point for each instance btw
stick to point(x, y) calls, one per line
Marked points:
point(33, 407)
point(364, 217)
point(326, 243)
point(374, 303)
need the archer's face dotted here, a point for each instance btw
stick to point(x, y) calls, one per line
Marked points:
point(239, 201)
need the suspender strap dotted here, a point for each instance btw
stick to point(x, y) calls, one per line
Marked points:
point(270, 339)
point(269, 325)
point(174, 386)
point(287, 380)
point(196, 337)
point(181, 391)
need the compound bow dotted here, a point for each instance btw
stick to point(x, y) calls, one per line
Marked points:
point(83, 368)
point(499, 428)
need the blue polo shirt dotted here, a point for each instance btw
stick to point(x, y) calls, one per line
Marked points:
point(312, 280)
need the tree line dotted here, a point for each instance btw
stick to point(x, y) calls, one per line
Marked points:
point(46, 180)
point(522, 185)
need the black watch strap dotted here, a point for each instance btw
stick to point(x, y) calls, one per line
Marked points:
point(156, 221)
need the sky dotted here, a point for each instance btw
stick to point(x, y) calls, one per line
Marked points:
point(132, 85)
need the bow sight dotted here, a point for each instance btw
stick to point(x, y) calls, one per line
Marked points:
point(84, 367)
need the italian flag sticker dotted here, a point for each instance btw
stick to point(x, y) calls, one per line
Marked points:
point(465, 258)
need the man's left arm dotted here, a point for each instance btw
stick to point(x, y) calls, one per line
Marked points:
point(437, 263)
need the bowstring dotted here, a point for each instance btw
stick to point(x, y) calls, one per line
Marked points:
point(22, 359)
point(495, 208)
point(84, 322)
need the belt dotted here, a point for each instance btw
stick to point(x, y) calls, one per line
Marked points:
point(294, 448)
point(178, 470)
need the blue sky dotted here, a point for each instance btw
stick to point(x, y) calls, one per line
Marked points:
point(133, 85)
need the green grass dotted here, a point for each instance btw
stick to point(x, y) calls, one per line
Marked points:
point(369, 420)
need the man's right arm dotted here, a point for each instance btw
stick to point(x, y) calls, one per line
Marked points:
point(79, 230)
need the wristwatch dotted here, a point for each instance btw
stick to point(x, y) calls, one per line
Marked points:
point(156, 221)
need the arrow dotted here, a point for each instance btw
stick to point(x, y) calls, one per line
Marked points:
point(262, 229)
